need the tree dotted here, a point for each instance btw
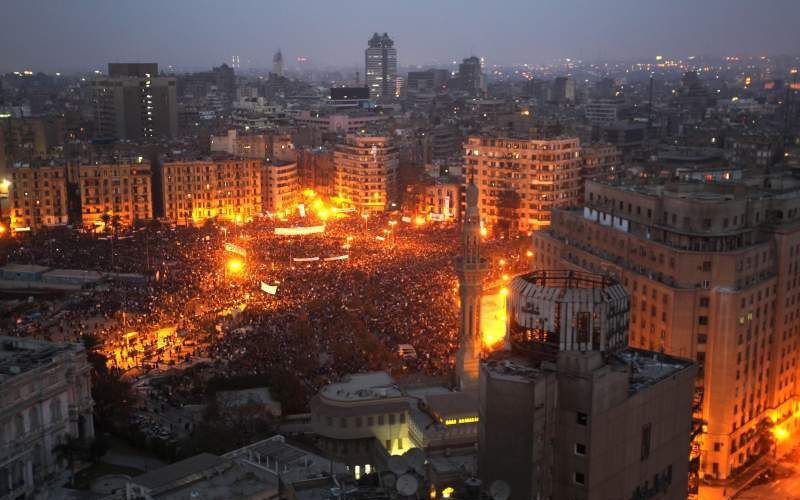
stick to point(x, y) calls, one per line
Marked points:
point(113, 399)
point(106, 218)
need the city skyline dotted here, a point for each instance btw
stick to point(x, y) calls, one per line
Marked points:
point(206, 34)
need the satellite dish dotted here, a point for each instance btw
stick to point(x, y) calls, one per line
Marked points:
point(389, 480)
point(415, 458)
point(500, 490)
point(407, 485)
point(398, 464)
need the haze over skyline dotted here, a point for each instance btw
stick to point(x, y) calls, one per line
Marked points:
point(62, 35)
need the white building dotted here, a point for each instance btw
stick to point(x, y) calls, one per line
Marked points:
point(45, 399)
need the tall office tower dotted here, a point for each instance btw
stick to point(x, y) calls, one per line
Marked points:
point(37, 197)
point(197, 190)
point(568, 411)
point(366, 172)
point(471, 269)
point(713, 274)
point(277, 64)
point(562, 90)
point(522, 180)
point(121, 190)
point(134, 103)
point(381, 66)
point(470, 76)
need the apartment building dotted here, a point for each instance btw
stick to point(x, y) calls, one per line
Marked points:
point(122, 191)
point(37, 197)
point(522, 180)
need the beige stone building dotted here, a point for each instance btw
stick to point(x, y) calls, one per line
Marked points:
point(37, 197)
point(122, 190)
point(197, 190)
point(280, 186)
point(522, 180)
point(45, 399)
point(366, 172)
point(712, 270)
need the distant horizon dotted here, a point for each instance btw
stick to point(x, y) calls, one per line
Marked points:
point(84, 35)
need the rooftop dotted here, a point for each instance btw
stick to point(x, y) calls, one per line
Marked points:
point(19, 355)
point(362, 387)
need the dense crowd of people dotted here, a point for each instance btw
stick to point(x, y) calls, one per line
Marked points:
point(391, 284)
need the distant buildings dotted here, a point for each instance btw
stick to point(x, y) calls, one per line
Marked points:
point(712, 273)
point(431, 80)
point(381, 66)
point(45, 400)
point(522, 180)
point(366, 172)
point(570, 412)
point(470, 77)
point(133, 103)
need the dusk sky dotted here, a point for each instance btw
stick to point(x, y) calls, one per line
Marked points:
point(62, 35)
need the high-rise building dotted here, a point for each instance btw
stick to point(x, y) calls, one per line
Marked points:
point(470, 76)
point(471, 269)
point(429, 80)
point(381, 67)
point(568, 411)
point(562, 90)
point(366, 172)
point(37, 197)
point(121, 191)
point(45, 400)
point(712, 273)
point(197, 190)
point(522, 180)
point(134, 103)
point(277, 64)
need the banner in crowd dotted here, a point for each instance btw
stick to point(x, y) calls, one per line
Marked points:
point(230, 247)
point(270, 289)
point(437, 217)
point(305, 259)
point(302, 208)
point(380, 238)
point(299, 231)
point(405, 219)
point(338, 257)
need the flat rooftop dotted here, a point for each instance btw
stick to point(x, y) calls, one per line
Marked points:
point(647, 368)
point(362, 387)
point(19, 355)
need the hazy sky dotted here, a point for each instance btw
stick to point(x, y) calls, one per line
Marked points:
point(52, 35)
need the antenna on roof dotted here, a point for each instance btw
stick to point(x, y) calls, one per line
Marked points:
point(407, 485)
point(500, 490)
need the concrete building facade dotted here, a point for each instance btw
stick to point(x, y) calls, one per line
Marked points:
point(197, 190)
point(366, 172)
point(45, 399)
point(122, 191)
point(712, 272)
point(568, 411)
point(37, 197)
point(522, 180)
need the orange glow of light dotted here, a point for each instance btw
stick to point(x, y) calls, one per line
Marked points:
point(505, 277)
point(448, 492)
point(493, 320)
point(504, 291)
point(235, 266)
point(2, 229)
point(502, 262)
point(323, 215)
point(529, 253)
point(780, 433)
point(484, 231)
point(309, 193)
point(419, 220)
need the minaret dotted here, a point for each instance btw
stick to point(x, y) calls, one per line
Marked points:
point(471, 270)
